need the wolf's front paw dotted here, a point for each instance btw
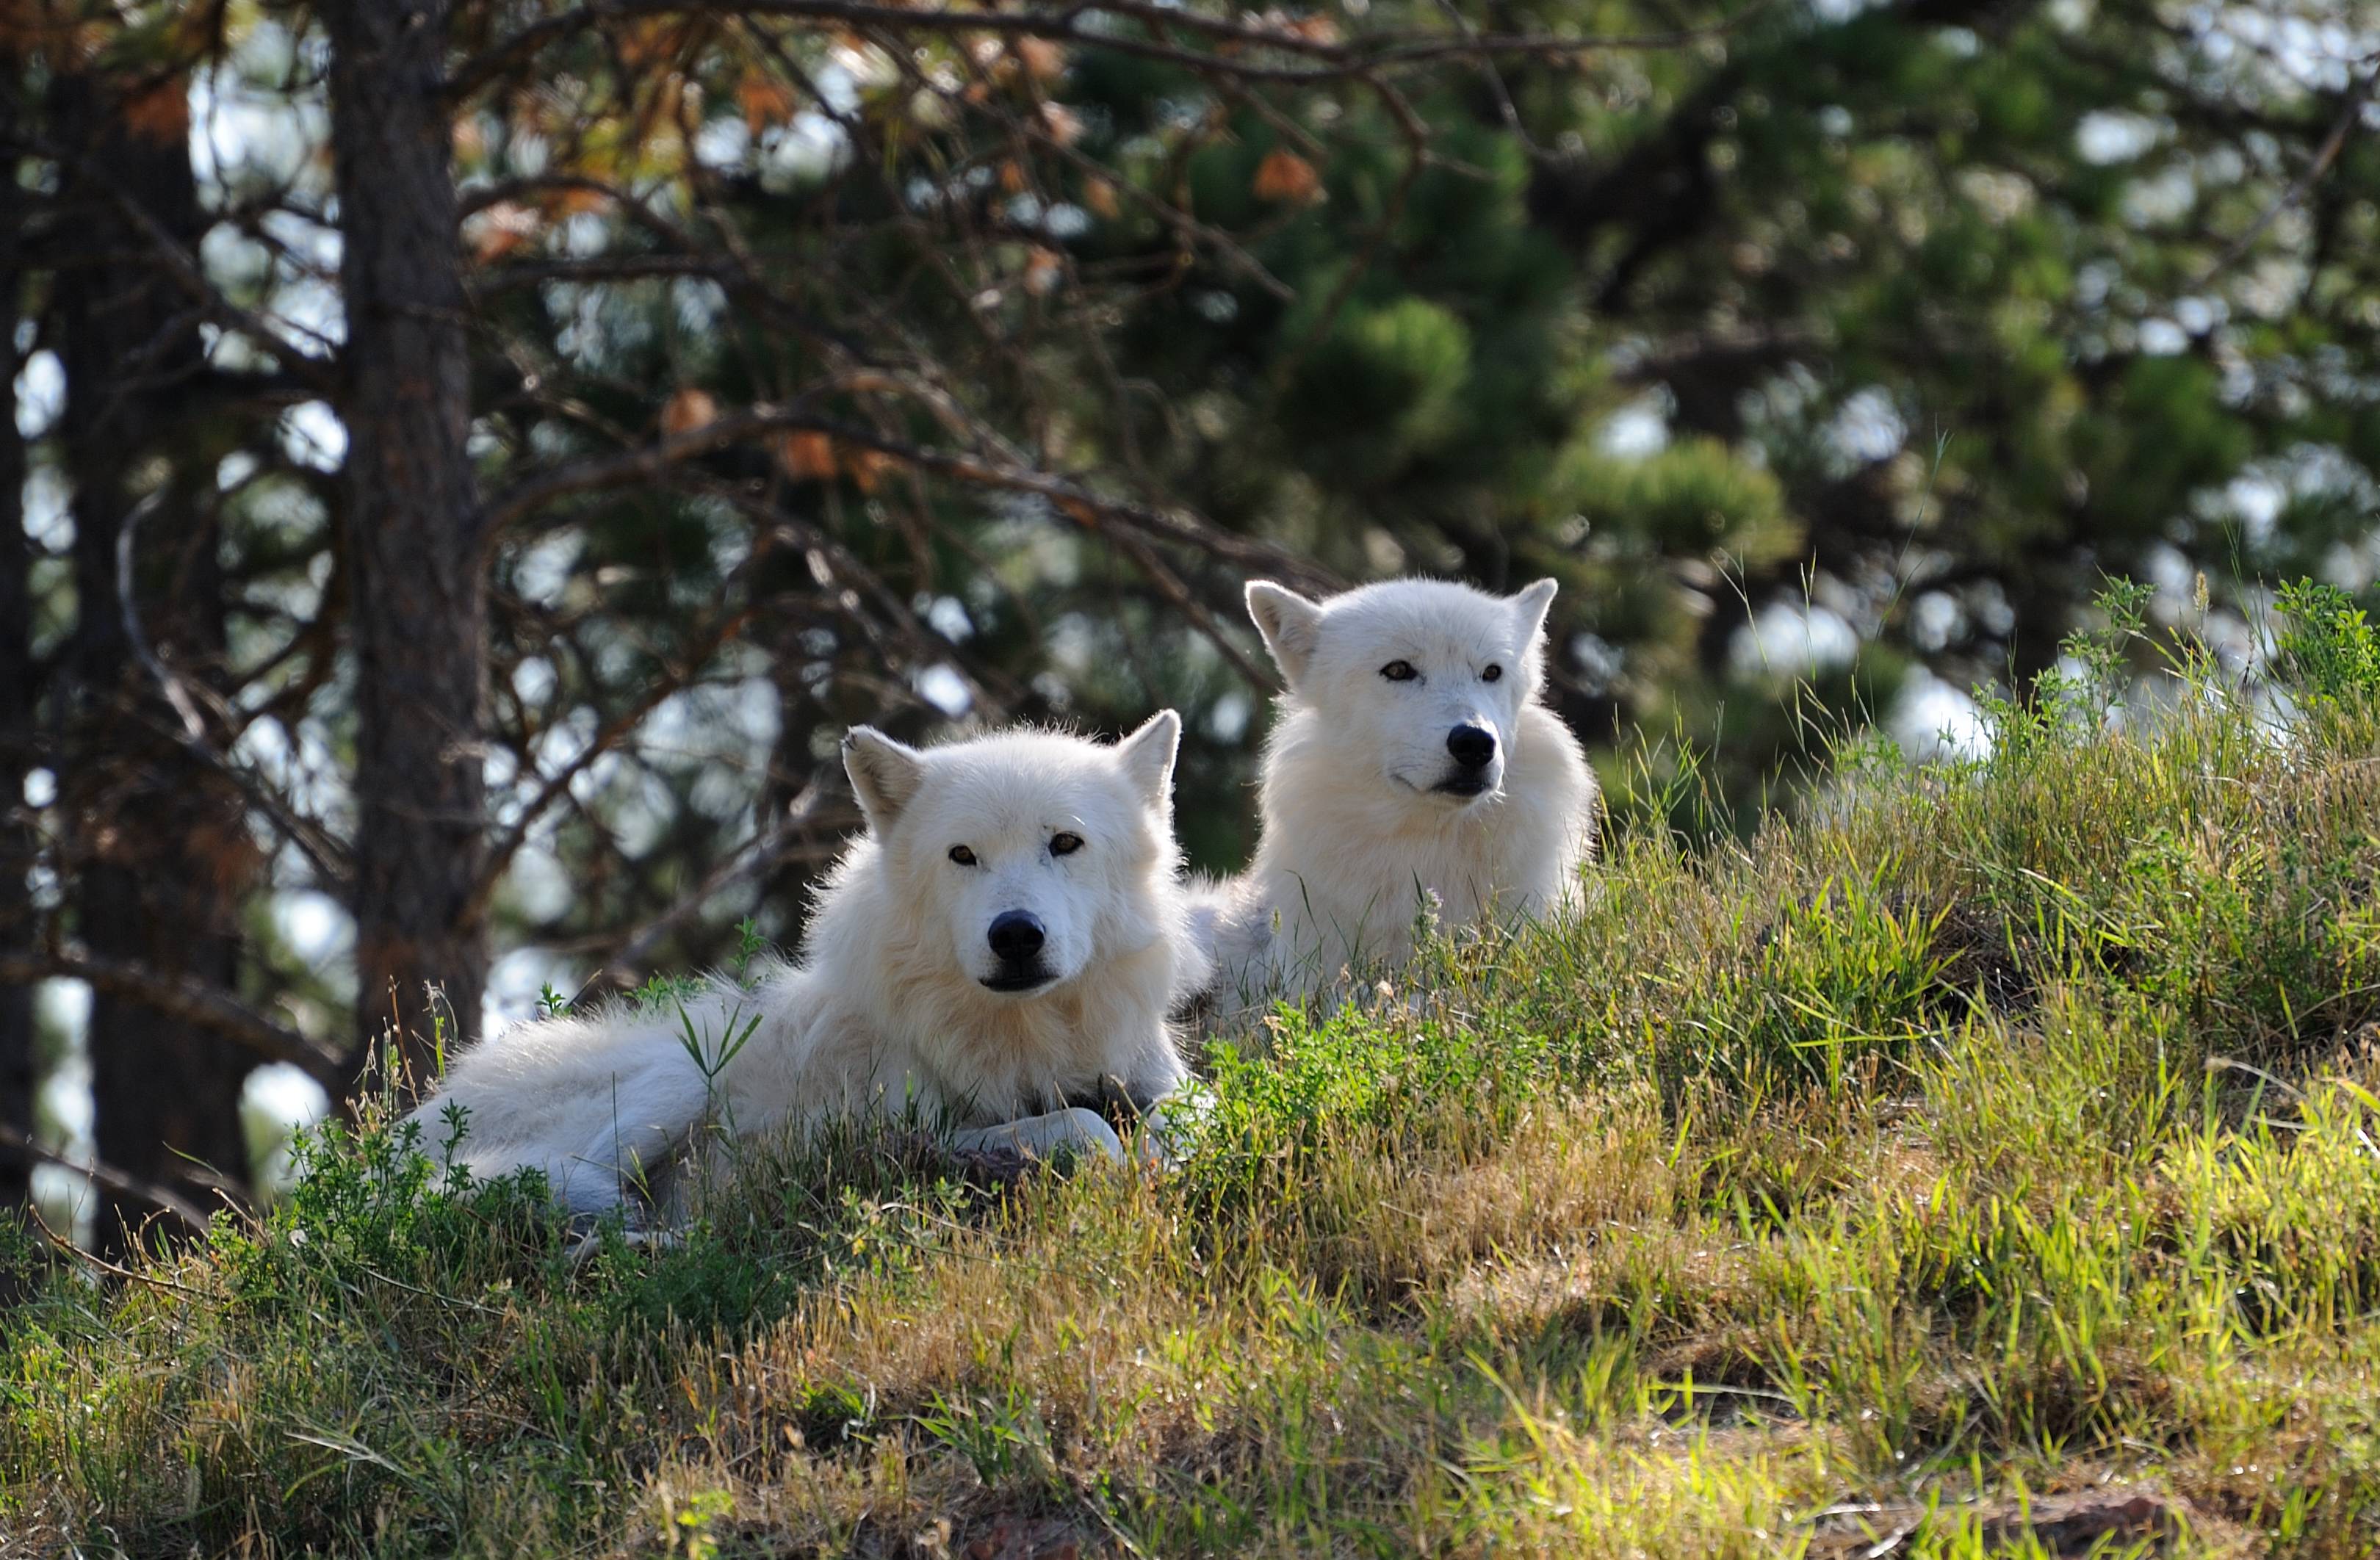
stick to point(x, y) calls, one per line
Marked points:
point(1043, 1137)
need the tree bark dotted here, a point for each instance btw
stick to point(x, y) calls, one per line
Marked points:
point(16, 1070)
point(158, 845)
point(417, 589)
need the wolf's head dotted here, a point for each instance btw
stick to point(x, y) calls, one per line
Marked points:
point(1418, 683)
point(1031, 852)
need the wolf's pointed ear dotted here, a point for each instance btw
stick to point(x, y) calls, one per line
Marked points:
point(885, 774)
point(1290, 624)
point(1147, 756)
point(1529, 606)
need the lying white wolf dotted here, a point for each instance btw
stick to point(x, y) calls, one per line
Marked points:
point(1008, 934)
point(1411, 776)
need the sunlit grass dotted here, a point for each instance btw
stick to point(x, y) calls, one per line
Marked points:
point(1991, 1154)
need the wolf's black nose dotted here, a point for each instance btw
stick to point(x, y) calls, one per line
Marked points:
point(1015, 936)
point(1472, 746)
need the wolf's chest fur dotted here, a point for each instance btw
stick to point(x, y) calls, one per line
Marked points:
point(1370, 880)
point(1348, 872)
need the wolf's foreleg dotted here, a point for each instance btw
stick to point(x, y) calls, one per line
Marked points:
point(1042, 1136)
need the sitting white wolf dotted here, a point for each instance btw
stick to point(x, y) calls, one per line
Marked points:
point(1010, 934)
point(1411, 777)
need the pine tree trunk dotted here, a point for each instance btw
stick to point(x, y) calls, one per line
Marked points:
point(417, 590)
point(16, 1074)
point(160, 851)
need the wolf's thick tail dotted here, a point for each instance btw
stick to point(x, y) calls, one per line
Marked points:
point(602, 1139)
point(1212, 903)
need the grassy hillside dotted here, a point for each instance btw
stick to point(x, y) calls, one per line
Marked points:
point(1988, 1162)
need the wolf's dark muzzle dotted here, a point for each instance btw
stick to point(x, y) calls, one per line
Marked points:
point(1473, 746)
point(1016, 937)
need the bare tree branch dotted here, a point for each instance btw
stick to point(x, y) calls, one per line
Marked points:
point(1331, 59)
point(185, 998)
point(320, 850)
point(791, 836)
point(121, 1182)
point(2350, 114)
point(1080, 503)
point(614, 731)
point(317, 369)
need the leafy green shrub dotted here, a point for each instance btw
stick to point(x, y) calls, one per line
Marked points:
point(2329, 649)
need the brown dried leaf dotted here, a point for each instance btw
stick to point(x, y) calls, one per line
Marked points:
point(688, 409)
point(765, 101)
point(866, 467)
point(1042, 271)
point(805, 456)
point(227, 855)
point(650, 42)
point(1285, 176)
point(160, 113)
point(1065, 126)
point(500, 229)
point(1044, 59)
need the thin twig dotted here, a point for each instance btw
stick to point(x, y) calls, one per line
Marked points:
point(318, 367)
point(763, 851)
point(320, 851)
point(122, 1182)
point(1329, 59)
point(650, 463)
point(609, 737)
point(181, 997)
point(2359, 92)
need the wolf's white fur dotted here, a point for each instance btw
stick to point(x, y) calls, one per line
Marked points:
point(889, 1007)
point(1359, 842)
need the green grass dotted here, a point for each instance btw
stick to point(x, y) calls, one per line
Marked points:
point(1988, 1145)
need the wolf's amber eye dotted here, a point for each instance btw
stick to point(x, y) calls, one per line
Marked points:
point(1064, 844)
point(1492, 673)
point(962, 855)
point(1399, 671)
